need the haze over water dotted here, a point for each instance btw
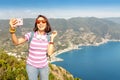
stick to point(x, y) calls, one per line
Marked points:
point(93, 62)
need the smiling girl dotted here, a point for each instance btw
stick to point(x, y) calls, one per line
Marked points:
point(37, 63)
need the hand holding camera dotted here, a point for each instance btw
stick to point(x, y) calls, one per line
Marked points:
point(16, 22)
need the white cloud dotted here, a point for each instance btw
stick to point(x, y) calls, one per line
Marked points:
point(58, 13)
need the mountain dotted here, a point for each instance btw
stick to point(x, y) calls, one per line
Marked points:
point(84, 30)
point(114, 19)
point(73, 31)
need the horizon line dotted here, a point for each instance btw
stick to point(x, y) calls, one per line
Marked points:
point(64, 17)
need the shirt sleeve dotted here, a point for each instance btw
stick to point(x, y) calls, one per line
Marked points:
point(27, 36)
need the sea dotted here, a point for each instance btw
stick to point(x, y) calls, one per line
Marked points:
point(93, 62)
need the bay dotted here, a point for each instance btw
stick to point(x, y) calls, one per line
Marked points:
point(93, 62)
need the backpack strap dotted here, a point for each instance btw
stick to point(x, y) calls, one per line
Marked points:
point(48, 37)
point(31, 36)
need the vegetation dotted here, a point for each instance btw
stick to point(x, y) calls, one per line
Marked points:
point(13, 69)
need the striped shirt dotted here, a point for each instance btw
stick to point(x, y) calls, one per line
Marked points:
point(37, 50)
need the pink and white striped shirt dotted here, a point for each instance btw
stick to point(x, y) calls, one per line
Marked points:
point(37, 50)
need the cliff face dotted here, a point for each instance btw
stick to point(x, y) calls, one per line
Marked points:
point(59, 73)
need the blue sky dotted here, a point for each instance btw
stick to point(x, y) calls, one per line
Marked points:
point(59, 8)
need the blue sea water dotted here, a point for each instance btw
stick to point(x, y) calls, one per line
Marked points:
point(93, 62)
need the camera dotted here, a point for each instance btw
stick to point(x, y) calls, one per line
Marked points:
point(19, 22)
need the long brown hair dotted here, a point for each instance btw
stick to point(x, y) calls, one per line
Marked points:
point(48, 27)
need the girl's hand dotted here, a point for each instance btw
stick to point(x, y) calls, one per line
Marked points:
point(13, 23)
point(54, 34)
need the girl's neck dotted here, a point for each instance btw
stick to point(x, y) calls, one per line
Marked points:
point(41, 32)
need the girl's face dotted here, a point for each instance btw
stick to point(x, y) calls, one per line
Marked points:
point(41, 23)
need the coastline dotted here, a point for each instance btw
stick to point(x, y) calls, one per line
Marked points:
point(54, 57)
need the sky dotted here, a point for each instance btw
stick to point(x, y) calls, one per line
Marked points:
point(59, 8)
